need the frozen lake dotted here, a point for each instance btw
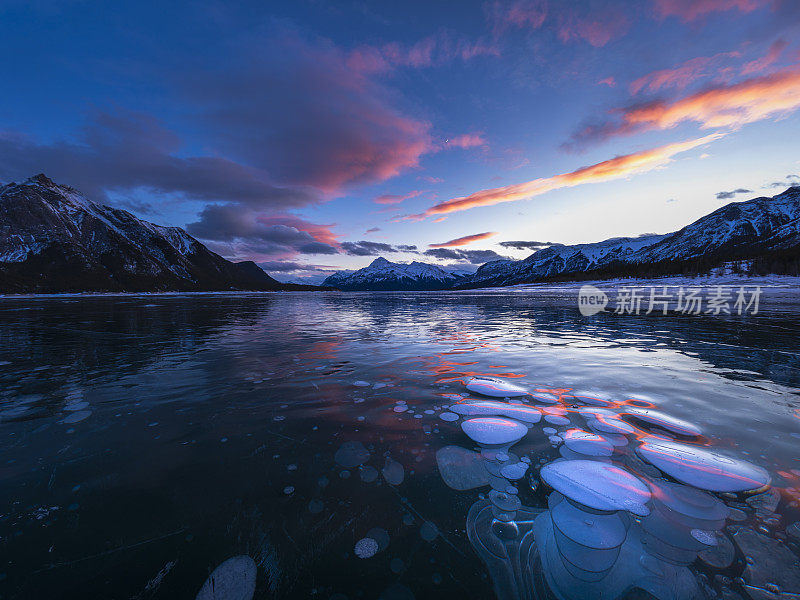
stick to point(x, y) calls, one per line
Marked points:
point(145, 440)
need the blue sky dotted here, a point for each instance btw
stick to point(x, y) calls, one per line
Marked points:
point(313, 136)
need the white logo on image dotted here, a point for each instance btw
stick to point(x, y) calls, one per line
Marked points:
point(591, 300)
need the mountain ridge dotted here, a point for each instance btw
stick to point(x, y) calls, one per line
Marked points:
point(750, 230)
point(762, 231)
point(53, 239)
point(383, 275)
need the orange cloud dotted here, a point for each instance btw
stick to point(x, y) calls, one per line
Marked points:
point(724, 106)
point(463, 241)
point(615, 168)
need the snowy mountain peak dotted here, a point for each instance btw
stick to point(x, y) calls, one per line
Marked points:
point(54, 239)
point(384, 275)
point(42, 179)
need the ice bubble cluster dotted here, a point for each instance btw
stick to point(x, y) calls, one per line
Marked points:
point(613, 522)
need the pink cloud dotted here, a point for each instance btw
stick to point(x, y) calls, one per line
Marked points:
point(722, 106)
point(431, 179)
point(597, 27)
point(396, 198)
point(609, 81)
point(598, 23)
point(529, 14)
point(321, 233)
point(299, 110)
point(682, 75)
point(463, 241)
point(432, 51)
point(766, 61)
point(608, 170)
point(690, 10)
point(467, 140)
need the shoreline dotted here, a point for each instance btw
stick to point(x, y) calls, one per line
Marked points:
point(767, 281)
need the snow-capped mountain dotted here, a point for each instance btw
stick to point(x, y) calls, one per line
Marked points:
point(560, 258)
point(54, 239)
point(382, 275)
point(738, 231)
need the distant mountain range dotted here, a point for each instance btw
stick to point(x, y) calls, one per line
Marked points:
point(760, 236)
point(763, 233)
point(54, 239)
point(382, 275)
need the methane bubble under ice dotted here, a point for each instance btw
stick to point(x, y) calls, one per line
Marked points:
point(598, 485)
point(366, 548)
point(351, 455)
point(587, 443)
point(494, 431)
point(234, 579)
point(495, 387)
point(702, 468)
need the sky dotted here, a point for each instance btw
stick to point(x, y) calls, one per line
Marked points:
point(314, 136)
